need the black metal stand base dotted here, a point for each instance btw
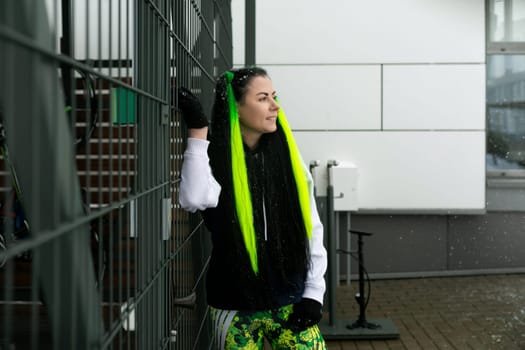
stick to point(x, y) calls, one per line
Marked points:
point(363, 324)
point(341, 330)
point(361, 328)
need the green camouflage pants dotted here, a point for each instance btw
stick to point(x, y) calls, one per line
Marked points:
point(247, 330)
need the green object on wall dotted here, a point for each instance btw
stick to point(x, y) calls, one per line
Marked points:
point(123, 103)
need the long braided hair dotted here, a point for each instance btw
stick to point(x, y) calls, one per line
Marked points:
point(286, 190)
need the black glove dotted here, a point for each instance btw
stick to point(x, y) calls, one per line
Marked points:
point(191, 109)
point(306, 313)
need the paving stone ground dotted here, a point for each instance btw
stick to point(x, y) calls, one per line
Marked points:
point(466, 313)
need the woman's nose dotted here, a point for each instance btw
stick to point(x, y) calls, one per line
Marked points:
point(274, 105)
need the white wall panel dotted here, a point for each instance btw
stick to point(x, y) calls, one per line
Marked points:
point(329, 97)
point(372, 31)
point(238, 31)
point(432, 171)
point(416, 128)
point(434, 97)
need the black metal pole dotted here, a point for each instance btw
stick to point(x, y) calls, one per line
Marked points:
point(361, 297)
point(332, 254)
point(249, 39)
point(65, 49)
point(361, 300)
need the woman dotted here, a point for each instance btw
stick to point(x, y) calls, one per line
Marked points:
point(265, 278)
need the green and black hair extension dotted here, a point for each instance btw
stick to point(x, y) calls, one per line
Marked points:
point(241, 188)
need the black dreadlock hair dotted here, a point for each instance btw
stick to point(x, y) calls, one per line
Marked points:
point(287, 249)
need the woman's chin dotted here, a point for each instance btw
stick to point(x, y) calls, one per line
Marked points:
point(271, 130)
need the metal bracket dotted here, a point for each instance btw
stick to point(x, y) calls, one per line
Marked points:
point(331, 163)
point(314, 164)
point(165, 114)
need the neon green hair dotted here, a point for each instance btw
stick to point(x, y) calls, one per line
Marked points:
point(298, 173)
point(241, 188)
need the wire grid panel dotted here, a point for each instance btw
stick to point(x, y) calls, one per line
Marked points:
point(94, 250)
point(202, 45)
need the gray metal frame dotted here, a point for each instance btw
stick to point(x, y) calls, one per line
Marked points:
point(110, 261)
point(505, 187)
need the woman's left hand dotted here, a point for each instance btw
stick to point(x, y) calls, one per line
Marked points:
point(305, 314)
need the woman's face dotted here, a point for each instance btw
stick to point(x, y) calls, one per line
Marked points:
point(258, 110)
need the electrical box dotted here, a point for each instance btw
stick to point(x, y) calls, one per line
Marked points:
point(343, 178)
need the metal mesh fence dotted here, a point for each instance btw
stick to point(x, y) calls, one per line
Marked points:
point(95, 252)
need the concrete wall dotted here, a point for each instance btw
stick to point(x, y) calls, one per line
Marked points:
point(396, 89)
point(422, 244)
